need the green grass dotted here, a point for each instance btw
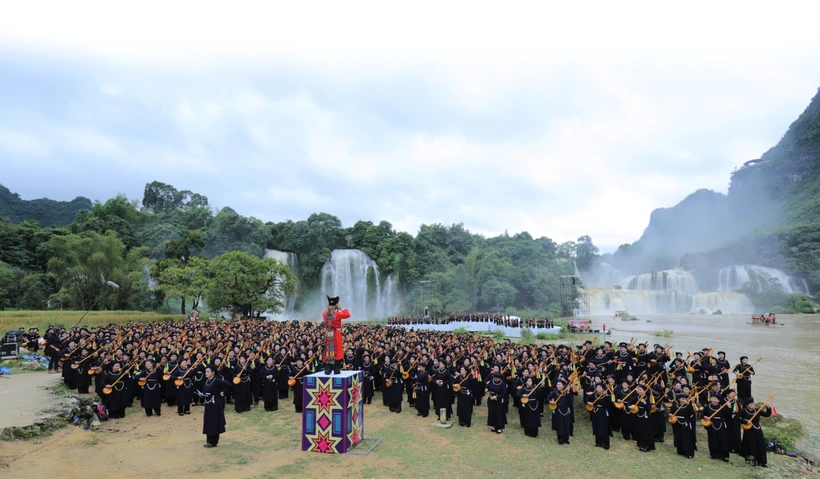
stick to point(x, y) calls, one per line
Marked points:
point(666, 333)
point(67, 319)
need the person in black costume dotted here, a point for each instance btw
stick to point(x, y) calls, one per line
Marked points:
point(685, 427)
point(422, 392)
point(213, 420)
point(368, 374)
point(242, 391)
point(151, 399)
point(185, 392)
point(562, 416)
point(718, 431)
point(393, 392)
point(643, 421)
point(464, 401)
point(69, 354)
point(753, 448)
point(735, 438)
point(531, 401)
point(601, 427)
point(270, 390)
point(83, 364)
point(116, 402)
point(442, 382)
point(744, 378)
point(496, 392)
point(298, 388)
point(169, 389)
point(627, 420)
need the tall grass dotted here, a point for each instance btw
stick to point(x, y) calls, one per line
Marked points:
point(66, 319)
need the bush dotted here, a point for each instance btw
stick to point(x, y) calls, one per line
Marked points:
point(780, 430)
point(498, 335)
point(526, 333)
point(460, 330)
point(666, 333)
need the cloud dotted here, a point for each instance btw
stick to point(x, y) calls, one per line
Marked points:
point(537, 117)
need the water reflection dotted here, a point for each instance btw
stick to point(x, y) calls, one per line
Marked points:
point(791, 353)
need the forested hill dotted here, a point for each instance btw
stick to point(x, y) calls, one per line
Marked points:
point(44, 211)
point(178, 237)
point(771, 215)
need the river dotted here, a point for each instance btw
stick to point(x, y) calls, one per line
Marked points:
point(791, 353)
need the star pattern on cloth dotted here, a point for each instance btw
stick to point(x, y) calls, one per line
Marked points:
point(323, 443)
point(324, 399)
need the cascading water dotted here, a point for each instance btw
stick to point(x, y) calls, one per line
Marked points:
point(735, 277)
point(290, 260)
point(355, 277)
point(673, 291)
point(607, 301)
point(676, 280)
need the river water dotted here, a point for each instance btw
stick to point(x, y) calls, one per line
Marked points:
point(791, 353)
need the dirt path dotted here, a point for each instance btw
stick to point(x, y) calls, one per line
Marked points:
point(23, 396)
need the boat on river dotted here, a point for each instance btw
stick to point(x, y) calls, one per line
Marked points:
point(584, 326)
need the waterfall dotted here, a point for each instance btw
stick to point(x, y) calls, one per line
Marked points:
point(732, 278)
point(607, 301)
point(355, 277)
point(677, 280)
point(290, 260)
point(673, 291)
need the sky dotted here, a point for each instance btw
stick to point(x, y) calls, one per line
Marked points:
point(559, 120)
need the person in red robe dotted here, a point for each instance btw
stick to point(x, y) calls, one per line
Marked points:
point(334, 353)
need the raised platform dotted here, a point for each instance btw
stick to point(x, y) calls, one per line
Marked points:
point(332, 412)
point(479, 327)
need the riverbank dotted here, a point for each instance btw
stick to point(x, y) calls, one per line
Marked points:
point(261, 445)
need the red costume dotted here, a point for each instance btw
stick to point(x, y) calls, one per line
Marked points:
point(333, 341)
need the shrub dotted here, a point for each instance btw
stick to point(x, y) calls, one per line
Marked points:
point(526, 333)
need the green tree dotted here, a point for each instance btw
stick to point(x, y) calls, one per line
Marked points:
point(82, 263)
point(36, 288)
point(585, 253)
point(186, 280)
point(158, 197)
point(247, 285)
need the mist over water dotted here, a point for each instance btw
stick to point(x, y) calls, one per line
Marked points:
point(676, 291)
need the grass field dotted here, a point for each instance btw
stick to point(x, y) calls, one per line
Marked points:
point(262, 445)
point(66, 319)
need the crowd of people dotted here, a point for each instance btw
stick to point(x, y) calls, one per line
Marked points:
point(644, 393)
point(492, 318)
point(766, 318)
